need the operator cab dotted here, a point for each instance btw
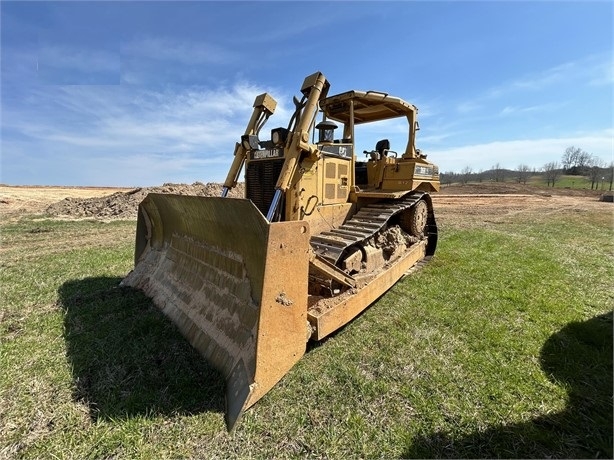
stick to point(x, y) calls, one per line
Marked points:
point(382, 148)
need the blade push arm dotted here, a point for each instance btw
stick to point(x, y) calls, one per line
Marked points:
point(264, 106)
point(315, 87)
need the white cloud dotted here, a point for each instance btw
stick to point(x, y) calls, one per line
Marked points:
point(538, 80)
point(510, 110)
point(115, 116)
point(544, 78)
point(533, 152)
point(177, 133)
point(440, 136)
point(603, 74)
point(595, 70)
point(467, 107)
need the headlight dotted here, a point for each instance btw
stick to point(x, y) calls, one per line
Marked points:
point(250, 141)
point(279, 136)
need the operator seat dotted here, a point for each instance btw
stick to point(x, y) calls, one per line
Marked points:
point(382, 147)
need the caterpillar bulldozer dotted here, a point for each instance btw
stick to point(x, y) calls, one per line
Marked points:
point(318, 237)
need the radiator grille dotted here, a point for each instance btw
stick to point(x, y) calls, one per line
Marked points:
point(260, 180)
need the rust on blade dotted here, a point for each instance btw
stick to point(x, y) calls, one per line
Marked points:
point(217, 269)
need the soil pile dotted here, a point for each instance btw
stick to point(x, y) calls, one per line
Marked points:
point(124, 205)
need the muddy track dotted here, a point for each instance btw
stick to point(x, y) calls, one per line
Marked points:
point(370, 220)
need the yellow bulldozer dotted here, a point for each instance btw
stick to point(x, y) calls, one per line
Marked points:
point(318, 237)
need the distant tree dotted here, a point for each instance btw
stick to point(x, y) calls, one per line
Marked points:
point(447, 177)
point(576, 161)
point(498, 174)
point(480, 176)
point(610, 174)
point(595, 170)
point(584, 161)
point(552, 171)
point(570, 157)
point(522, 173)
point(465, 174)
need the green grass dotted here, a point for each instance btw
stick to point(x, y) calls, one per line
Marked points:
point(566, 181)
point(572, 182)
point(500, 347)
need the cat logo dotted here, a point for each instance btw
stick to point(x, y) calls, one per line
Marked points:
point(262, 154)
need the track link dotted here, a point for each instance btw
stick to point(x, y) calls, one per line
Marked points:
point(366, 223)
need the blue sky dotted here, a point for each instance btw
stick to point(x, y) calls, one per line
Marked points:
point(142, 93)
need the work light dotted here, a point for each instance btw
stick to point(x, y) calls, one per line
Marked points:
point(250, 141)
point(279, 136)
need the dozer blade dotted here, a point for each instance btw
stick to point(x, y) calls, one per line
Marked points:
point(233, 283)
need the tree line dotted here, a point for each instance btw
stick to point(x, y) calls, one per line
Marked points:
point(574, 162)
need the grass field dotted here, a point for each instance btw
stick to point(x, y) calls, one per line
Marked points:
point(564, 181)
point(500, 347)
point(573, 182)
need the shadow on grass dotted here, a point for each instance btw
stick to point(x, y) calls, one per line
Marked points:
point(579, 357)
point(128, 359)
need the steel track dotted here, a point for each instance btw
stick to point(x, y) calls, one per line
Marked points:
point(367, 222)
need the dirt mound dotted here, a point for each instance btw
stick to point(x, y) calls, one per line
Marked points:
point(124, 205)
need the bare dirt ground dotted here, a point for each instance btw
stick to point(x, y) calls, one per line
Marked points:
point(34, 199)
point(464, 205)
point(454, 204)
point(92, 202)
